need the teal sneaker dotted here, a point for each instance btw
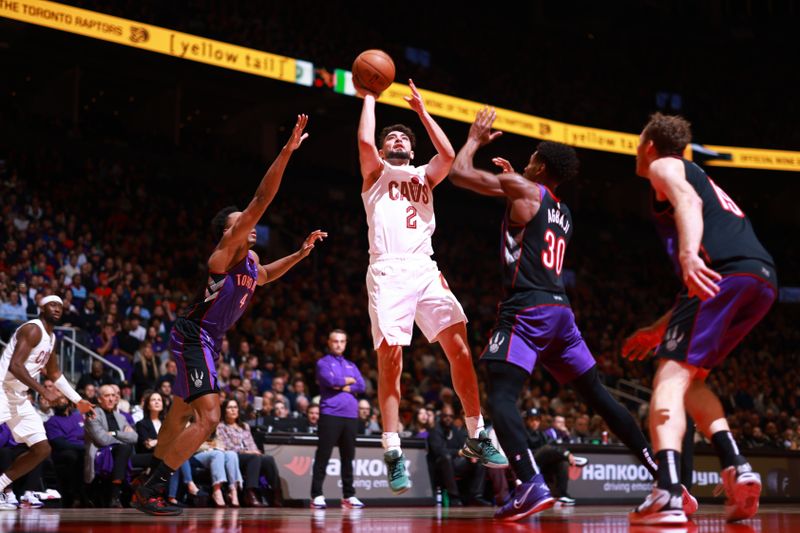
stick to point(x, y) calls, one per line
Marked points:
point(484, 451)
point(399, 481)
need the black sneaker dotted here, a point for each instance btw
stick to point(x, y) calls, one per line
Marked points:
point(147, 501)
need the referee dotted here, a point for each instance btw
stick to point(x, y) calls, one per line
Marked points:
point(339, 381)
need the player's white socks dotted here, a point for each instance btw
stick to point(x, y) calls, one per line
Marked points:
point(474, 426)
point(5, 481)
point(390, 441)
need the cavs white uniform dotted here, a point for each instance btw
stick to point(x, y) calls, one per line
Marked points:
point(15, 408)
point(403, 282)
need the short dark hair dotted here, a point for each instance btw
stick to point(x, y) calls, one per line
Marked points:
point(220, 220)
point(670, 133)
point(397, 127)
point(560, 160)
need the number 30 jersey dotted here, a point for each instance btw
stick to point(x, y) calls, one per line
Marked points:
point(533, 253)
point(34, 363)
point(729, 242)
point(399, 208)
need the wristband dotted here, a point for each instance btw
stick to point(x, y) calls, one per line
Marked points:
point(66, 389)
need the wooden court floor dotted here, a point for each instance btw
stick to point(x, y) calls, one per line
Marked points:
point(581, 519)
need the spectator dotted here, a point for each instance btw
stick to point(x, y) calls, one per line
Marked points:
point(65, 431)
point(367, 425)
point(444, 442)
point(235, 435)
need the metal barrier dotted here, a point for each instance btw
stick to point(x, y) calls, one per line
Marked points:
point(92, 355)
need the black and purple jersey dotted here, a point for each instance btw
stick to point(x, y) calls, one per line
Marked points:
point(533, 253)
point(224, 300)
point(729, 243)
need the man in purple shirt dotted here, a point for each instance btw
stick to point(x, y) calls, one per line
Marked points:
point(339, 382)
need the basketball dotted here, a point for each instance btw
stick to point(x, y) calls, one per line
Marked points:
point(373, 70)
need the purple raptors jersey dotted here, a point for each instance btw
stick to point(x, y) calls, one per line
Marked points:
point(225, 299)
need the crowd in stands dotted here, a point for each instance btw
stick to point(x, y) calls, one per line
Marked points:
point(97, 233)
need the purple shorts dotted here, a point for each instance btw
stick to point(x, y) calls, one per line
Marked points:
point(702, 334)
point(197, 369)
point(544, 332)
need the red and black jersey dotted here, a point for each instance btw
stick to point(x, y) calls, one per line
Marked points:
point(728, 237)
point(533, 253)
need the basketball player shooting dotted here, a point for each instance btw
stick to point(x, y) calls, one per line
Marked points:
point(403, 283)
point(234, 273)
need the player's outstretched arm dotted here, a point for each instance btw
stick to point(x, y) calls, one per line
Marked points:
point(463, 173)
point(668, 178)
point(266, 189)
point(368, 157)
point(440, 164)
point(272, 271)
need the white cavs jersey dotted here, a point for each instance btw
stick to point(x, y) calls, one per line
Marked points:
point(399, 208)
point(34, 364)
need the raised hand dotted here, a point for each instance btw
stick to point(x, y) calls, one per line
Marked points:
point(699, 279)
point(640, 344)
point(308, 244)
point(298, 136)
point(481, 129)
point(503, 164)
point(415, 100)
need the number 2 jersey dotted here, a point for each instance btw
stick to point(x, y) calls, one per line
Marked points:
point(729, 244)
point(399, 208)
point(533, 254)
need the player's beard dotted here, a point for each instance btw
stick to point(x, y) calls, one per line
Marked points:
point(399, 155)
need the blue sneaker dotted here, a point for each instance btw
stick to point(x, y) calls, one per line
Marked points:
point(529, 498)
point(482, 450)
point(399, 482)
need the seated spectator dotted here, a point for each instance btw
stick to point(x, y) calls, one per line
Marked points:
point(553, 459)
point(235, 435)
point(111, 441)
point(223, 466)
point(367, 425)
point(66, 433)
point(147, 429)
point(444, 443)
point(312, 419)
point(419, 425)
point(146, 372)
point(97, 376)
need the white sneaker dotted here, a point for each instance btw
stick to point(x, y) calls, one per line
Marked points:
point(743, 488)
point(660, 507)
point(8, 501)
point(352, 503)
point(30, 501)
point(580, 461)
point(566, 501)
point(49, 494)
point(318, 503)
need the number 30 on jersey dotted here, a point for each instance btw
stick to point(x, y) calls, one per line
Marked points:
point(553, 256)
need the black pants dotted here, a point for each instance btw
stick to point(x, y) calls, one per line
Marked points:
point(121, 454)
point(341, 432)
point(253, 466)
point(554, 467)
point(449, 467)
point(69, 469)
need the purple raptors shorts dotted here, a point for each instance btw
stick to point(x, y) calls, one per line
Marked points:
point(544, 332)
point(197, 369)
point(702, 334)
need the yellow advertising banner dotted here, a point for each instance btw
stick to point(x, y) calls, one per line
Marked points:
point(229, 56)
point(148, 37)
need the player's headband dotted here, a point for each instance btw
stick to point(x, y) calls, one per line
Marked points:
point(50, 299)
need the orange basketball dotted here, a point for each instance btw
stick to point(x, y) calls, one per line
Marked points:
point(373, 70)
